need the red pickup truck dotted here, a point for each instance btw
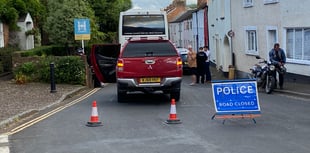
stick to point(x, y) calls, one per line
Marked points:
point(145, 65)
point(149, 65)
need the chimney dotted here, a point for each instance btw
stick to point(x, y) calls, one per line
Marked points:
point(202, 3)
point(179, 3)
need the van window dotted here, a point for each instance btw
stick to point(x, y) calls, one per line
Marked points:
point(144, 49)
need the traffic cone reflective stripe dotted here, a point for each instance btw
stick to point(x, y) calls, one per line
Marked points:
point(94, 113)
point(173, 119)
point(94, 119)
point(173, 112)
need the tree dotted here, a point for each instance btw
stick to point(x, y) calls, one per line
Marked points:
point(8, 14)
point(37, 11)
point(107, 14)
point(60, 20)
point(11, 10)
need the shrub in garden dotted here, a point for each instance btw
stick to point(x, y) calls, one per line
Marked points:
point(27, 72)
point(67, 70)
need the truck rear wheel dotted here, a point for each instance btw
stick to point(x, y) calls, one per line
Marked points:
point(121, 95)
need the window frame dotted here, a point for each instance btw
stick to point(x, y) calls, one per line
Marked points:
point(291, 58)
point(254, 50)
point(248, 3)
point(266, 2)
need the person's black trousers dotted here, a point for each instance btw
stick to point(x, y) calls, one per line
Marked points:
point(208, 73)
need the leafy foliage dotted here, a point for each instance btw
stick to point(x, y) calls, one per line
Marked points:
point(68, 70)
point(60, 20)
point(107, 14)
point(56, 17)
point(11, 10)
point(8, 14)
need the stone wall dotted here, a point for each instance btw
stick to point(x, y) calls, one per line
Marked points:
point(18, 60)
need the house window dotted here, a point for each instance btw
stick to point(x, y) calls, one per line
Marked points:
point(298, 44)
point(251, 40)
point(247, 3)
point(270, 1)
point(187, 25)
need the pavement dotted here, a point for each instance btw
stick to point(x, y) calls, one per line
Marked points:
point(293, 85)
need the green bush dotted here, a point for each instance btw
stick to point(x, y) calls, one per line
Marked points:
point(67, 70)
point(70, 70)
point(27, 69)
point(44, 68)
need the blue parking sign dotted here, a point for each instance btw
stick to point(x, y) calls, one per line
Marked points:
point(235, 97)
point(81, 29)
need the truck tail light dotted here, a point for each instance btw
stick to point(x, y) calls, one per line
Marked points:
point(179, 63)
point(120, 65)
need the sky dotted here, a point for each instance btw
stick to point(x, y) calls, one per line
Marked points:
point(155, 4)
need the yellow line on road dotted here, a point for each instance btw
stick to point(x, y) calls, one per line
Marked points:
point(50, 113)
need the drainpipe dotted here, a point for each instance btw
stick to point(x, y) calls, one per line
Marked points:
point(197, 38)
point(231, 72)
point(231, 45)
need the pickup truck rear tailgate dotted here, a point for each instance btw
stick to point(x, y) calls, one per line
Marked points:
point(150, 66)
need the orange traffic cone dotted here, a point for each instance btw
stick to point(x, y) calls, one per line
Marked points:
point(94, 119)
point(173, 119)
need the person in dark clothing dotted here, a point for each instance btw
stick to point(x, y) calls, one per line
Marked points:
point(277, 57)
point(208, 73)
point(201, 65)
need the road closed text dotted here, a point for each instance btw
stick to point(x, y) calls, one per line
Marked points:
point(237, 104)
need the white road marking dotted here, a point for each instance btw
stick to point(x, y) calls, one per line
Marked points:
point(4, 144)
point(48, 114)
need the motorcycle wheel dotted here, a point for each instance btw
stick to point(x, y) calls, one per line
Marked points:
point(270, 84)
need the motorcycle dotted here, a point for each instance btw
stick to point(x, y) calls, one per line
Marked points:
point(263, 72)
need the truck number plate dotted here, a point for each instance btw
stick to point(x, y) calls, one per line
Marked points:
point(150, 80)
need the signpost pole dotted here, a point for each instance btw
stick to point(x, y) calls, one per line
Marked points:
point(83, 52)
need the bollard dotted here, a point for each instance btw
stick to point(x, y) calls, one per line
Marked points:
point(231, 73)
point(53, 86)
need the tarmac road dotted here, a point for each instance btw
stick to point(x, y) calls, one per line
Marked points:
point(20, 101)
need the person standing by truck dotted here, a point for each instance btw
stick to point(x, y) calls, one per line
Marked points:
point(208, 73)
point(192, 64)
point(201, 65)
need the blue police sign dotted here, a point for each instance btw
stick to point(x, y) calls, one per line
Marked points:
point(235, 97)
point(81, 29)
